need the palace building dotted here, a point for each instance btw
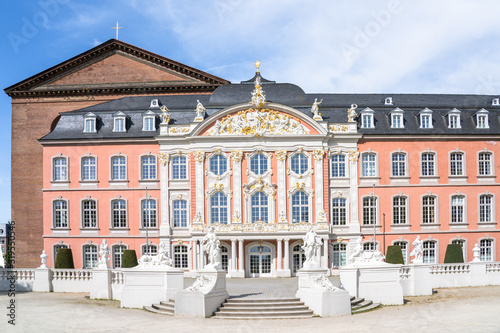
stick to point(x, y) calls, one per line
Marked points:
point(262, 162)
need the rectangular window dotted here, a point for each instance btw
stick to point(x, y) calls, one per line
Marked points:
point(180, 214)
point(339, 255)
point(457, 209)
point(89, 213)
point(151, 250)
point(404, 249)
point(485, 208)
point(148, 167)
point(368, 165)
point(397, 121)
point(90, 125)
point(90, 256)
point(119, 125)
point(260, 209)
point(482, 121)
point(149, 124)
point(118, 255)
point(456, 164)
point(428, 209)
point(119, 214)
point(429, 254)
point(485, 247)
point(398, 165)
point(338, 166)
point(89, 168)
point(181, 256)
point(399, 210)
point(428, 164)
point(60, 169)
point(367, 121)
point(300, 207)
point(454, 121)
point(179, 167)
point(369, 210)
point(60, 214)
point(119, 168)
point(425, 121)
point(218, 208)
point(485, 164)
point(339, 211)
point(149, 213)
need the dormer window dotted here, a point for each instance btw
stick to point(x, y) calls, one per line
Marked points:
point(426, 118)
point(388, 101)
point(454, 119)
point(119, 122)
point(367, 118)
point(482, 119)
point(90, 121)
point(397, 118)
point(149, 121)
point(495, 102)
point(155, 103)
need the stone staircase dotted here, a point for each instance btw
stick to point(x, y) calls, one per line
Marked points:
point(282, 308)
point(165, 307)
point(360, 305)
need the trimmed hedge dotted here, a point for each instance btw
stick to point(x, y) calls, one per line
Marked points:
point(64, 259)
point(394, 255)
point(454, 254)
point(129, 259)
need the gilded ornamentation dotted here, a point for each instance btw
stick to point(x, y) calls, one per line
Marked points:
point(257, 123)
point(236, 217)
point(165, 116)
point(281, 154)
point(260, 186)
point(258, 96)
point(164, 158)
point(322, 216)
point(199, 156)
point(237, 155)
point(351, 113)
point(219, 187)
point(179, 130)
point(339, 128)
point(197, 218)
point(353, 156)
point(318, 154)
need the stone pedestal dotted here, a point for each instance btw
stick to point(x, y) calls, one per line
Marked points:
point(417, 282)
point(143, 287)
point(378, 282)
point(205, 296)
point(101, 284)
point(43, 280)
point(478, 274)
point(317, 292)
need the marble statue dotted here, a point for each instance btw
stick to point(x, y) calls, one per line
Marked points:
point(103, 255)
point(351, 113)
point(312, 243)
point(200, 111)
point(165, 116)
point(315, 109)
point(201, 282)
point(418, 251)
point(211, 245)
point(476, 252)
point(358, 250)
point(322, 282)
point(160, 260)
point(44, 257)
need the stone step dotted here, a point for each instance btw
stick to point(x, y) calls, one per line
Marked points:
point(356, 301)
point(168, 303)
point(264, 300)
point(264, 314)
point(263, 318)
point(370, 307)
point(168, 307)
point(152, 309)
point(263, 304)
point(361, 305)
point(263, 309)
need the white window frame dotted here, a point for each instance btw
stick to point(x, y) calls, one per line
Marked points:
point(67, 227)
point(492, 207)
point(146, 117)
point(394, 114)
point(436, 209)
point(90, 123)
point(423, 114)
point(266, 156)
point(464, 245)
point(367, 119)
point(113, 254)
point(260, 206)
point(82, 214)
point(301, 206)
point(173, 164)
point(376, 207)
point(490, 162)
point(143, 219)
point(59, 245)
point(482, 119)
point(212, 158)
point(219, 207)
point(436, 250)
point(151, 248)
point(341, 251)
point(454, 121)
point(119, 117)
point(406, 209)
point(141, 175)
point(82, 168)
point(112, 213)
point(376, 170)
point(54, 167)
point(434, 162)
point(336, 211)
point(344, 163)
point(493, 248)
point(398, 162)
point(95, 254)
point(184, 256)
point(111, 167)
point(464, 163)
point(404, 251)
point(464, 208)
point(180, 209)
point(299, 155)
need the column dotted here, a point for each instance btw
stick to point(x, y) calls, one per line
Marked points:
point(241, 269)
point(324, 264)
point(279, 256)
point(164, 174)
point(195, 255)
point(287, 254)
point(201, 264)
point(234, 261)
point(354, 225)
point(237, 155)
point(318, 155)
point(199, 157)
point(281, 156)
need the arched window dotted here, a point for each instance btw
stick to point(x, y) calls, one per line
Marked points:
point(60, 213)
point(461, 242)
point(181, 256)
point(180, 214)
point(260, 207)
point(179, 167)
point(368, 165)
point(119, 168)
point(149, 216)
point(89, 256)
point(300, 207)
point(369, 210)
point(339, 211)
point(429, 254)
point(486, 250)
point(457, 208)
point(89, 213)
point(485, 208)
point(56, 248)
point(369, 246)
point(258, 164)
point(457, 164)
point(399, 207)
point(119, 211)
point(428, 164)
point(218, 208)
point(339, 254)
point(151, 250)
point(484, 164)
point(118, 255)
point(429, 209)
point(60, 169)
point(218, 164)
point(404, 249)
point(89, 168)
point(148, 167)
point(299, 163)
point(398, 164)
point(338, 166)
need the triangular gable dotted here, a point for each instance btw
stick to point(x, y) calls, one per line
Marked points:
point(116, 67)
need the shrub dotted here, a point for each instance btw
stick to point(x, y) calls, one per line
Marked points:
point(394, 255)
point(64, 259)
point(454, 254)
point(129, 259)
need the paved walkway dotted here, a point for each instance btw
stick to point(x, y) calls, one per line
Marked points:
point(450, 310)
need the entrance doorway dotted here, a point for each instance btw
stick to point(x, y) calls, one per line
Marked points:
point(298, 258)
point(260, 261)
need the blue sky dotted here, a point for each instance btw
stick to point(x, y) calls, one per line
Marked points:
point(447, 46)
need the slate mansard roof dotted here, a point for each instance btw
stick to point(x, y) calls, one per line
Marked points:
point(333, 110)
